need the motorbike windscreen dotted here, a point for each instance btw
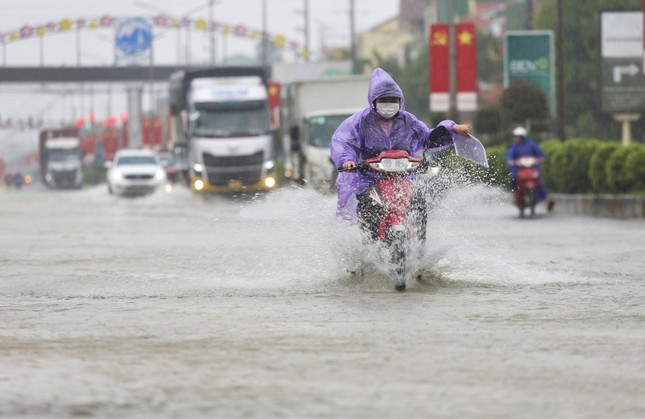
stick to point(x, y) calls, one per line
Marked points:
point(470, 148)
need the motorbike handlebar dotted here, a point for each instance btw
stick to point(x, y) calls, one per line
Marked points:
point(361, 167)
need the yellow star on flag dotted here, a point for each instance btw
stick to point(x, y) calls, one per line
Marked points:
point(465, 38)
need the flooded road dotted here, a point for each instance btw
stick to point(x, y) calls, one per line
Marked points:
point(178, 306)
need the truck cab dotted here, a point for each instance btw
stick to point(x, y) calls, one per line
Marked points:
point(225, 120)
point(63, 163)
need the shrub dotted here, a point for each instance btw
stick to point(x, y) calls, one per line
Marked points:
point(635, 167)
point(618, 179)
point(597, 172)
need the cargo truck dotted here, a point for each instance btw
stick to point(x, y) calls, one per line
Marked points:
point(61, 158)
point(223, 141)
point(312, 110)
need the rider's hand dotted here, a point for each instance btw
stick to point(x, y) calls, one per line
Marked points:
point(463, 129)
point(349, 165)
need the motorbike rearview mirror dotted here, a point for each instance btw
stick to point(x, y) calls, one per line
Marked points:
point(439, 136)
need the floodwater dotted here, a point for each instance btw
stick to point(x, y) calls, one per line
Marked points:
point(174, 305)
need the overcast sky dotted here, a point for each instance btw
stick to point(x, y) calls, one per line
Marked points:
point(328, 24)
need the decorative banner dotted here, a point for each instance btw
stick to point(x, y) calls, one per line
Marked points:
point(466, 67)
point(643, 10)
point(439, 66)
point(160, 21)
point(528, 55)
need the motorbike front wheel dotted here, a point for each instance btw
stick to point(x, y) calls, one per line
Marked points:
point(398, 256)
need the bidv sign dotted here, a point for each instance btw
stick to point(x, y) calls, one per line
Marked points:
point(529, 66)
point(133, 40)
point(528, 55)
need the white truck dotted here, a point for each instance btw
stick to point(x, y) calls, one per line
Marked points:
point(61, 161)
point(225, 142)
point(312, 110)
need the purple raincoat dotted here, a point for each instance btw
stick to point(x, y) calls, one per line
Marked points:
point(361, 137)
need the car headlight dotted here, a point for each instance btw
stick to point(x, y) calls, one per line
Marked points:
point(160, 174)
point(117, 175)
point(269, 165)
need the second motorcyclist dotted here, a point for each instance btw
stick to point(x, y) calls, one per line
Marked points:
point(523, 146)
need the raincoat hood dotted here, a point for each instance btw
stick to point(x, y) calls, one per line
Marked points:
point(383, 85)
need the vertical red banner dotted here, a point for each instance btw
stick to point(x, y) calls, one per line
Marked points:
point(274, 104)
point(643, 11)
point(466, 66)
point(439, 66)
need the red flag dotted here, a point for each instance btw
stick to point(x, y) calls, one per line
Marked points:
point(466, 63)
point(439, 66)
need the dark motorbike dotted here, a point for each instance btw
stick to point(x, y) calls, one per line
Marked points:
point(527, 187)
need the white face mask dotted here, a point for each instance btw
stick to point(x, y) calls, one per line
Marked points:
point(387, 109)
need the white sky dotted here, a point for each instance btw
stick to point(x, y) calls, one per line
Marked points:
point(284, 17)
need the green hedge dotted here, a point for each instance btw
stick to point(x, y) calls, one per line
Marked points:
point(576, 166)
point(594, 166)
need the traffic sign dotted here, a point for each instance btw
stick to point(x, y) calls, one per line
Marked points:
point(133, 39)
point(623, 82)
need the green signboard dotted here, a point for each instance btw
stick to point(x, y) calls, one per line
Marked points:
point(528, 55)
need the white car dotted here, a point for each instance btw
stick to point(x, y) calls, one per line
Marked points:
point(135, 172)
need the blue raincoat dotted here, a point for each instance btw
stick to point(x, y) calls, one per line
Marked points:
point(362, 136)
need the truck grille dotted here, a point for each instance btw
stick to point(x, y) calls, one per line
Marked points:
point(67, 176)
point(247, 169)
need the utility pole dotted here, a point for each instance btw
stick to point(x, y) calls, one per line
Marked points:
point(306, 28)
point(264, 33)
point(211, 39)
point(452, 61)
point(352, 34)
point(560, 68)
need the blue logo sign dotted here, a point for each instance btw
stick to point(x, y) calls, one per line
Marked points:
point(133, 36)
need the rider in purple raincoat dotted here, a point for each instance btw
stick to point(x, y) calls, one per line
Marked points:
point(384, 125)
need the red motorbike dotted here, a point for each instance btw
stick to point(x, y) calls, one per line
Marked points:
point(392, 210)
point(527, 188)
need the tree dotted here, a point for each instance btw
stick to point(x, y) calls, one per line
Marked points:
point(522, 103)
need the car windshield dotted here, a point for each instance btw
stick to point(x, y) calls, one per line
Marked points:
point(230, 119)
point(321, 128)
point(136, 160)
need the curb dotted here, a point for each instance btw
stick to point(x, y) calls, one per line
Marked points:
point(601, 206)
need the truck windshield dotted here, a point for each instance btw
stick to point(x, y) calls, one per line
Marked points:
point(63, 154)
point(232, 119)
point(321, 128)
